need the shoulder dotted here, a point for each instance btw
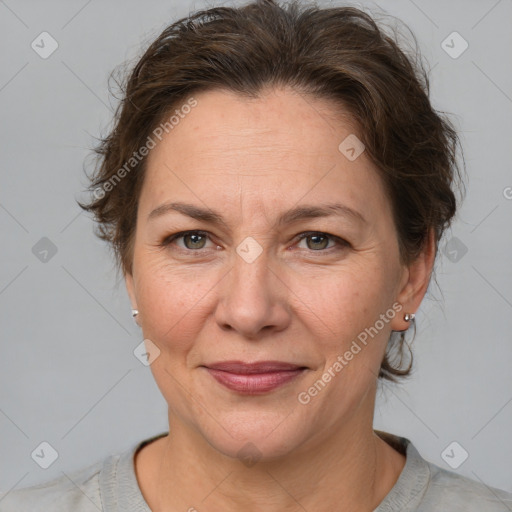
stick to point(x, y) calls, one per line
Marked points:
point(449, 490)
point(426, 487)
point(105, 486)
point(78, 491)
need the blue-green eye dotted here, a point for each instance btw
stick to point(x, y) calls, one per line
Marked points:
point(196, 240)
point(318, 241)
point(192, 240)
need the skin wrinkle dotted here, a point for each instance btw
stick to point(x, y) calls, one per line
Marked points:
point(287, 305)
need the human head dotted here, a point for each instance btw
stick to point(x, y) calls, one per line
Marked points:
point(339, 55)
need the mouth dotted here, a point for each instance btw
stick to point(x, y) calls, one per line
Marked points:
point(254, 378)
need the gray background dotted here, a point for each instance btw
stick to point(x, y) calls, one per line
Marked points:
point(68, 374)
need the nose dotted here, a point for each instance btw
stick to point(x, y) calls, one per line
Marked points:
point(253, 299)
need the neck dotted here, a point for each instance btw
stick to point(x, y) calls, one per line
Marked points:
point(350, 469)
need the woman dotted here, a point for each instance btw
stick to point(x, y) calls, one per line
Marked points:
point(275, 189)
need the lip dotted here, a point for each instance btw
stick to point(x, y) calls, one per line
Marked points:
point(256, 367)
point(254, 378)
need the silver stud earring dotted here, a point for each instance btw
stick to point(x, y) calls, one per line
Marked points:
point(409, 316)
point(135, 312)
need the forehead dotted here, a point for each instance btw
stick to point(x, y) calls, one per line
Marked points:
point(277, 120)
point(279, 147)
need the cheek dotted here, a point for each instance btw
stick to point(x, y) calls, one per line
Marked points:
point(173, 303)
point(347, 304)
point(344, 300)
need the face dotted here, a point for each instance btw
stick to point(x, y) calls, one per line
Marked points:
point(230, 274)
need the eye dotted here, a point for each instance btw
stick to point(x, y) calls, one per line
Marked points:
point(195, 240)
point(192, 240)
point(318, 241)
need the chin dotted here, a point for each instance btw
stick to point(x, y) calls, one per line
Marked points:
point(255, 436)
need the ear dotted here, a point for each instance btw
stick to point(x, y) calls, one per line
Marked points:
point(414, 283)
point(130, 288)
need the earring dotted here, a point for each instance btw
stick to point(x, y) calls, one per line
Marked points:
point(409, 316)
point(135, 312)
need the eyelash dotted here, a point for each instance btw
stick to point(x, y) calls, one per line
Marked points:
point(339, 241)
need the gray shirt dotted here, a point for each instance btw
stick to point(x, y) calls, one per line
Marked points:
point(111, 486)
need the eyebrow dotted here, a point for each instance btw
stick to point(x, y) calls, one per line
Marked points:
point(288, 217)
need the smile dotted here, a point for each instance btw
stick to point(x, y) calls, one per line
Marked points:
point(255, 378)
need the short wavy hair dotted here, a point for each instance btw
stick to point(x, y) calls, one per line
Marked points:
point(340, 54)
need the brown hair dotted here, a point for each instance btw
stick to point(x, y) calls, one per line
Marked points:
point(339, 54)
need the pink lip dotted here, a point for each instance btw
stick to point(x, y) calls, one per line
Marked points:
point(254, 378)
